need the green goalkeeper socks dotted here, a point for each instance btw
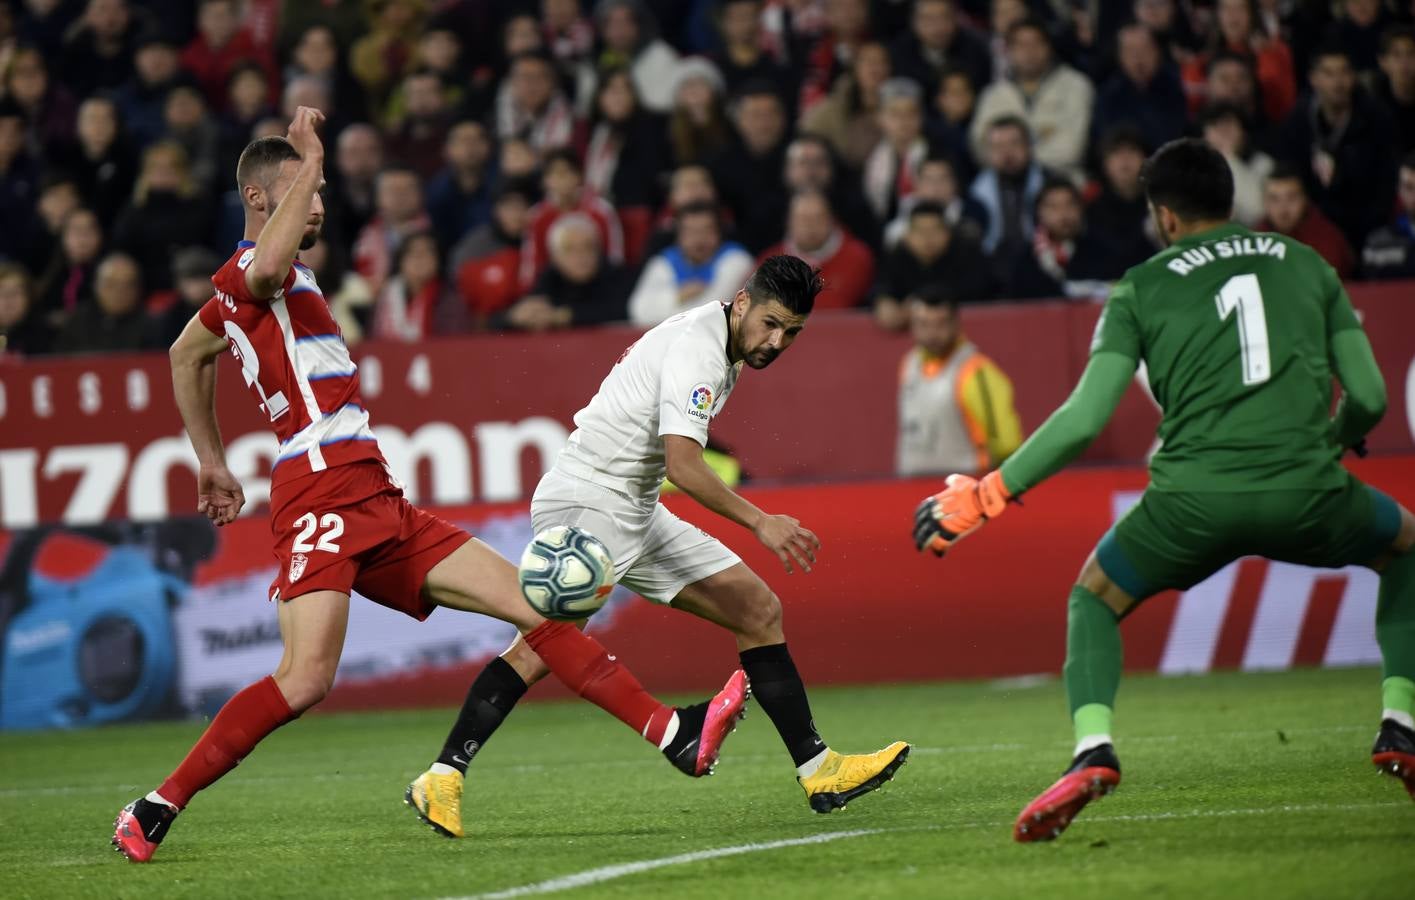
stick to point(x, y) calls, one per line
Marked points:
point(1093, 658)
point(1395, 632)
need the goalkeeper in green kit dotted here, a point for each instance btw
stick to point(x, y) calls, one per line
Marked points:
point(1241, 334)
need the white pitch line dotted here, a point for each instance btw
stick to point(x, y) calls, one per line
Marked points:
point(620, 870)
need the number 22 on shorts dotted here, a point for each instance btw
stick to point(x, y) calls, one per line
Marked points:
point(332, 526)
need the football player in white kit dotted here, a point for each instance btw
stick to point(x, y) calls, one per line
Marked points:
point(649, 421)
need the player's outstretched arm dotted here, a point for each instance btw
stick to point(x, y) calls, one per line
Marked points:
point(782, 535)
point(279, 240)
point(966, 503)
point(1363, 389)
point(193, 356)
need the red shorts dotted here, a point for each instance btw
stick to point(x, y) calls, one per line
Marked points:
point(350, 528)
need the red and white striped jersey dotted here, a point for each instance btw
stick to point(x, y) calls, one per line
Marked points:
point(294, 361)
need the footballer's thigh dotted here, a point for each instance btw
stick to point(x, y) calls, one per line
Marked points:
point(312, 627)
point(1352, 525)
point(740, 601)
point(475, 578)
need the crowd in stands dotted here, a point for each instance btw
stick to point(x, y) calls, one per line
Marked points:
point(544, 164)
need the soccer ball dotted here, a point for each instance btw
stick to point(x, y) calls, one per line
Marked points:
point(566, 573)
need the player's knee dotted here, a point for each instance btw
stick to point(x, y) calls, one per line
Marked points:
point(761, 617)
point(305, 685)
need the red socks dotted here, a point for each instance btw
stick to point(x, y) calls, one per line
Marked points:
point(583, 665)
point(242, 723)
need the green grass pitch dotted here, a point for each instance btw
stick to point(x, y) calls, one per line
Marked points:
point(1235, 786)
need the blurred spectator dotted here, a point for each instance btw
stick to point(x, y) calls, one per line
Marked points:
point(748, 173)
point(48, 107)
point(192, 269)
point(115, 320)
point(1066, 260)
point(1239, 30)
point(349, 296)
point(1287, 210)
point(846, 263)
point(844, 26)
point(930, 253)
point(1001, 17)
point(1007, 187)
point(316, 55)
point(1358, 28)
point(1390, 251)
point(1143, 93)
point(936, 39)
point(440, 53)
point(67, 282)
point(168, 211)
point(568, 33)
point(893, 165)
point(518, 159)
point(411, 295)
point(58, 197)
point(98, 50)
point(44, 23)
point(1344, 145)
point(579, 287)
point(700, 266)
point(956, 412)
point(312, 92)
point(420, 136)
point(743, 57)
point(1396, 86)
point(1224, 129)
point(630, 40)
point(1051, 97)
point(189, 123)
point(810, 167)
point(938, 183)
point(459, 194)
point(849, 116)
point(19, 177)
point(398, 199)
point(1229, 78)
point(142, 99)
point(487, 262)
point(564, 189)
point(358, 158)
point(219, 46)
point(951, 118)
point(686, 186)
point(1118, 217)
point(344, 20)
point(23, 329)
point(625, 151)
point(531, 106)
point(382, 56)
point(698, 129)
point(248, 100)
point(1167, 22)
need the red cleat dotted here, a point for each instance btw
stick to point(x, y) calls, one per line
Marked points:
point(1092, 775)
point(140, 827)
point(703, 727)
point(1394, 753)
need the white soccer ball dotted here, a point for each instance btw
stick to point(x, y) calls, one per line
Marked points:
point(566, 573)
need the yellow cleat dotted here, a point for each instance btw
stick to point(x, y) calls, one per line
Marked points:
point(437, 799)
point(841, 779)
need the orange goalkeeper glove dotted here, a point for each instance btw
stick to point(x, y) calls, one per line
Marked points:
point(960, 508)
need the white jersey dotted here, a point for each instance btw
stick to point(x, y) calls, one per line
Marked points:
point(673, 380)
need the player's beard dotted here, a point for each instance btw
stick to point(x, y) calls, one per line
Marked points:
point(760, 359)
point(310, 238)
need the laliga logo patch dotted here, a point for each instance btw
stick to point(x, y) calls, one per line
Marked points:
point(700, 402)
point(297, 566)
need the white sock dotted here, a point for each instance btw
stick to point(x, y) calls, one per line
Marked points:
point(1091, 743)
point(443, 769)
point(812, 765)
point(1400, 716)
point(669, 733)
point(155, 797)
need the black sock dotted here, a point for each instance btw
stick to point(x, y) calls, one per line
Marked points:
point(489, 700)
point(777, 687)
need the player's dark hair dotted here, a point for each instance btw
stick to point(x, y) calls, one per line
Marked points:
point(792, 282)
point(261, 159)
point(1191, 179)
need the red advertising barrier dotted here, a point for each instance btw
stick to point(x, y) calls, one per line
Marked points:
point(476, 419)
point(873, 610)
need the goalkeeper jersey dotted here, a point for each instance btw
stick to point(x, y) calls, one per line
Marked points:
point(1235, 330)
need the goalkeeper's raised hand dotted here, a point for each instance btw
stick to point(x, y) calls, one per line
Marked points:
point(960, 508)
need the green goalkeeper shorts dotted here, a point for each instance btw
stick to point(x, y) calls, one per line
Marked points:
point(1176, 539)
